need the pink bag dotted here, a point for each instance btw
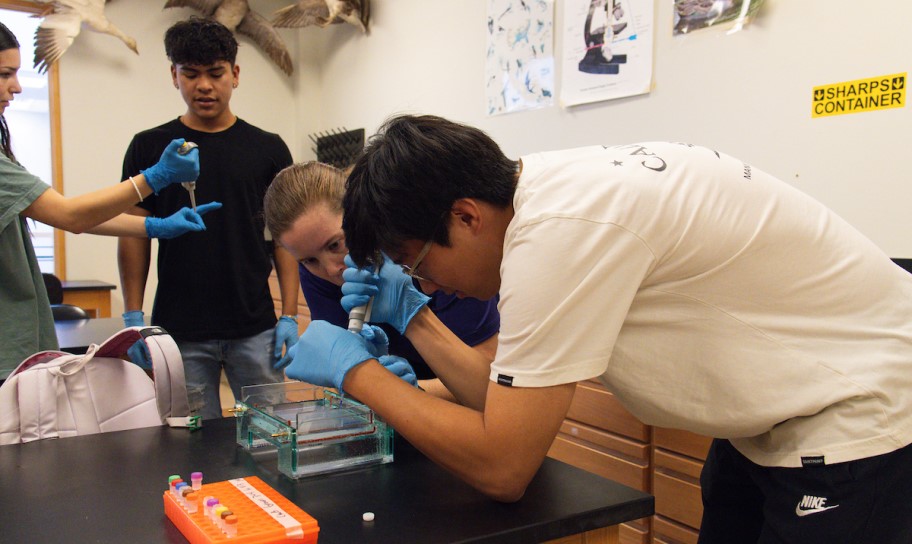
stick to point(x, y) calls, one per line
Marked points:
point(53, 394)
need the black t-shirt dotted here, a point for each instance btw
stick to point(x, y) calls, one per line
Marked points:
point(214, 284)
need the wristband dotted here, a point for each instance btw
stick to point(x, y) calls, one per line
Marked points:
point(136, 188)
point(291, 317)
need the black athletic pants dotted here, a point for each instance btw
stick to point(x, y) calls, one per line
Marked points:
point(863, 501)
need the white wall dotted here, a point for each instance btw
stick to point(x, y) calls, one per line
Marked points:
point(748, 94)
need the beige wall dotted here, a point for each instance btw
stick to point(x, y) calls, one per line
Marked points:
point(748, 94)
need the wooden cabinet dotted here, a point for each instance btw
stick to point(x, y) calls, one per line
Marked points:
point(677, 460)
point(93, 296)
point(600, 436)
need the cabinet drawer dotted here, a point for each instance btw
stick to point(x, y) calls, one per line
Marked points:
point(594, 405)
point(684, 468)
point(666, 531)
point(626, 447)
point(633, 533)
point(676, 486)
point(677, 499)
point(687, 443)
point(608, 463)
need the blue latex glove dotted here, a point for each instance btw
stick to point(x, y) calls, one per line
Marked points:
point(396, 300)
point(400, 367)
point(377, 340)
point(173, 167)
point(138, 352)
point(325, 353)
point(286, 335)
point(180, 222)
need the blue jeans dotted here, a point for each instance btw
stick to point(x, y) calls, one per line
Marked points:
point(247, 361)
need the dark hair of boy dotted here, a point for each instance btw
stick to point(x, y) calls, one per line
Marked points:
point(408, 177)
point(200, 41)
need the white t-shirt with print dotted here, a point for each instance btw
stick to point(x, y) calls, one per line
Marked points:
point(708, 296)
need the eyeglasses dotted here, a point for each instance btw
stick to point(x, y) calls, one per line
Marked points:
point(412, 271)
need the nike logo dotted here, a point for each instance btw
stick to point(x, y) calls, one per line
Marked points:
point(812, 505)
point(800, 512)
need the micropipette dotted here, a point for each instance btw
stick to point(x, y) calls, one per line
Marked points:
point(190, 186)
point(361, 314)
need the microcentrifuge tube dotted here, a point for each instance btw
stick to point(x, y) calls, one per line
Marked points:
point(231, 526)
point(192, 502)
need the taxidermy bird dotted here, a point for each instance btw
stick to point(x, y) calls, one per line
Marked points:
point(323, 13)
point(63, 19)
point(238, 17)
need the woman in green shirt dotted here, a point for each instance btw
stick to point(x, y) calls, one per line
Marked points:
point(26, 324)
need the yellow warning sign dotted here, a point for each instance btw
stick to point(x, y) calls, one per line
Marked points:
point(875, 93)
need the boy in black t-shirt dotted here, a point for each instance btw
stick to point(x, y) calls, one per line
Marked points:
point(213, 294)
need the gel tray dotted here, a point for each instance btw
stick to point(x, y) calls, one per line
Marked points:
point(311, 429)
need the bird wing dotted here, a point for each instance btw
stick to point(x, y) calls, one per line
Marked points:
point(54, 36)
point(301, 14)
point(264, 35)
point(207, 7)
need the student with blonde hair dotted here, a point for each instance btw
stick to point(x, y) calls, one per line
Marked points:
point(303, 209)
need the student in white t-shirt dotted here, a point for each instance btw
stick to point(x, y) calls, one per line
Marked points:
point(704, 293)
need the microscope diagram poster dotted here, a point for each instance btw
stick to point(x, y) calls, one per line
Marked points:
point(607, 50)
point(519, 62)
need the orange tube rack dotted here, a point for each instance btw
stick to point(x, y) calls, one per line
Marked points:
point(263, 515)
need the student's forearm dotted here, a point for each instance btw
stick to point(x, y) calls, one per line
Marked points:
point(436, 388)
point(80, 213)
point(496, 451)
point(122, 225)
point(287, 273)
point(133, 258)
point(462, 369)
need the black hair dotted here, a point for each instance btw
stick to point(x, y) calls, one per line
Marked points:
point(200, 41)
point(7, 41)
point(408, 177)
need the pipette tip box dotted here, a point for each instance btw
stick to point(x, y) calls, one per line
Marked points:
point(312, 430)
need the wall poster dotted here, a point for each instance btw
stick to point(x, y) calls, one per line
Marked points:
point(519, 63)
point(607, 50)
point(690, 15)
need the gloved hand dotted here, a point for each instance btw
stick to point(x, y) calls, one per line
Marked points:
point(180, 222)
point(325, 353)
point(396, 300)
point(377, 340)
point(400, 367)
point(138, 352)
point(173, 167)
point(286, 334)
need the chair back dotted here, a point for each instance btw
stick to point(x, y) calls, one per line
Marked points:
point(68, 312)
point(54, 288)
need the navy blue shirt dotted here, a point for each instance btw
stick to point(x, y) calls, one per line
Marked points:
point(472, 320)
